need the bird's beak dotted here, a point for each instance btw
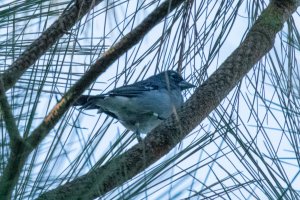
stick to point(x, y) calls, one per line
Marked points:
point(185, 85)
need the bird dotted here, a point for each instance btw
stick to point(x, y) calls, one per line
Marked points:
point(143, 105)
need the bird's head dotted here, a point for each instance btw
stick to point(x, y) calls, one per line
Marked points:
point(174, 79)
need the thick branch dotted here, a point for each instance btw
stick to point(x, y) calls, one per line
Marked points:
point(65, 22)
point(13, 169)
point(207, 97)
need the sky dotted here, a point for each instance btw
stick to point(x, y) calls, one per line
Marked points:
point(205, 165)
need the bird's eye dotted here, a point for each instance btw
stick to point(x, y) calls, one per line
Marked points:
point(176, 77)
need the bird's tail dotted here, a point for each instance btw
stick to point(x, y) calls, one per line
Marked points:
point(86, 102)
point(82, 100)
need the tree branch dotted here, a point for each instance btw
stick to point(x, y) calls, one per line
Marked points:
point(207, 97)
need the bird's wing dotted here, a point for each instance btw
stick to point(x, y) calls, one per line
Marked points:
point(133, 90)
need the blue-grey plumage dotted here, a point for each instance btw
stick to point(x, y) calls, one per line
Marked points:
point(143, 105)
